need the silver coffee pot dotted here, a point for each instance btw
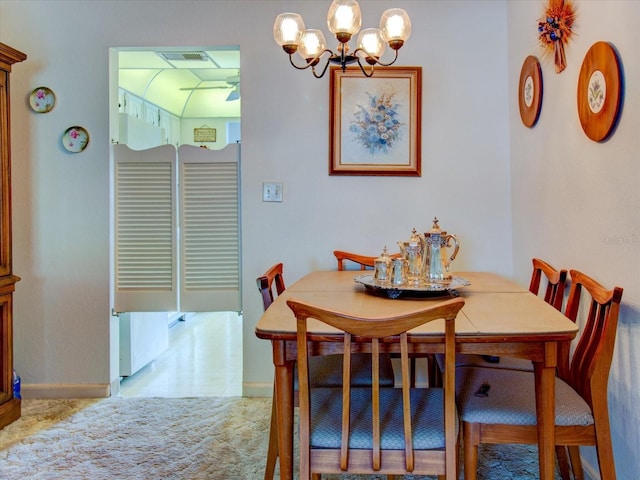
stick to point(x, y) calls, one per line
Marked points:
point(437, 260)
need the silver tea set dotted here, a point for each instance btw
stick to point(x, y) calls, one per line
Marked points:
point(424, 259)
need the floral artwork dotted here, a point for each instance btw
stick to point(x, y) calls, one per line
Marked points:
point(555, 30)
point(528, 91)
point(376, 125)
point(374, 122)
point(597, 91)
point(41, 99)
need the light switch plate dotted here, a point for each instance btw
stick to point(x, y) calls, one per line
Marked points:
point(272, 192)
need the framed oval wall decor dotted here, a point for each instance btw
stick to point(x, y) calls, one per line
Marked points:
point(599, 91)
point(75, 139)
point(530, 91)
point(42, 100)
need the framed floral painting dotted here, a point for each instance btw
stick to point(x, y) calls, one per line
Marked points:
point(375, 122)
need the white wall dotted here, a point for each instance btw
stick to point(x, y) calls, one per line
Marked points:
point(576, 202)
point(61, 201)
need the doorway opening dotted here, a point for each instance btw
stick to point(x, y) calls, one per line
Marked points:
point(182, 96)
point(202, 360)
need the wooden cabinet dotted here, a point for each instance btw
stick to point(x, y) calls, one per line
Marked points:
point(9, 406)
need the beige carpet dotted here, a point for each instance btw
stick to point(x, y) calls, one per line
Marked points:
point(169, 438)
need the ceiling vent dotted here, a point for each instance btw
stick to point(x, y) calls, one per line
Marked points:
point(177, 56)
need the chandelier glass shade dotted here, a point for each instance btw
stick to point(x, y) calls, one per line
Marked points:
point(344, 20)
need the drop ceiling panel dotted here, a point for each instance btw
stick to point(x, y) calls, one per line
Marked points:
point(148, 59)
point(225, 58)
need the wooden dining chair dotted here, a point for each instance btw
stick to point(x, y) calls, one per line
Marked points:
point(554, 283)
point(506, 412)
point(554, 286)
point(373, 430)
point(362, 261)
point(325, 371)
point(365, 262)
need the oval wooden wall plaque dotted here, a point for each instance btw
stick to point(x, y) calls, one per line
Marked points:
point(599, 91)
point(530, 91)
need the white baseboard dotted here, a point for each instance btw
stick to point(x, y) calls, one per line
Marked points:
point(257, 389)
point(29, 391)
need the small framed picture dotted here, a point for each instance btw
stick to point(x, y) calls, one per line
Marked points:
point(204, 134)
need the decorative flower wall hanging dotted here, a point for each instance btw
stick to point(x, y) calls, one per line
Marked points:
point(376, 125)
point(554, 30)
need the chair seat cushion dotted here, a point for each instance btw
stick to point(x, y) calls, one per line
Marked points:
point(326, 371)
point(470, 360)
point(426, 415)
point(511, 398)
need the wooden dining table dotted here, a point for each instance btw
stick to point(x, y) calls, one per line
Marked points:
point(500, 317)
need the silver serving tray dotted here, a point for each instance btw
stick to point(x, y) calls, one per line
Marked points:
point(421, 290)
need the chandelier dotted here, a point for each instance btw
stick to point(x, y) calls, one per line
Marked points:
point(344, 19)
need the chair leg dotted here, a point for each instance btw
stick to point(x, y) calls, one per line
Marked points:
point(272, 451)
point(471, 440)
point(435, 375)
point(576, 463)
point(457, 456)
point(412, 371)
point(563, 462)
point(604, 449)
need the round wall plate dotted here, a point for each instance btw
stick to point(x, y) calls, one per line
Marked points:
point(42, 100)
point(530, 91)
point(599, 91)
point(75, 139)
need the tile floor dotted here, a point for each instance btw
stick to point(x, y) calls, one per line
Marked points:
point(204, 359)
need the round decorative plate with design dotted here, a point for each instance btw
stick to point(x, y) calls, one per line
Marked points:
point(75, 139)
point(42, 100)
point(599, 91)
point(530, 91)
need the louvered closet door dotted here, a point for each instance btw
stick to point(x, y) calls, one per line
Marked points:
point(210, 228)
point(145, 229)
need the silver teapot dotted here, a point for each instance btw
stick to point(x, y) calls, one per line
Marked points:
point(413, 253)
point(437, 260)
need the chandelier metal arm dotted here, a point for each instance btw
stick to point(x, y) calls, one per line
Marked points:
point(364, 71)
point(343, 59)
point(310, 62)
point(324, 69)
point(386, 64)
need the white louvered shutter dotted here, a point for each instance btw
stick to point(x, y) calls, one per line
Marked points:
point(145, 229)
point(209, 228)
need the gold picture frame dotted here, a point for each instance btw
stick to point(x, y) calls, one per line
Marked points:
point(375, 122)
